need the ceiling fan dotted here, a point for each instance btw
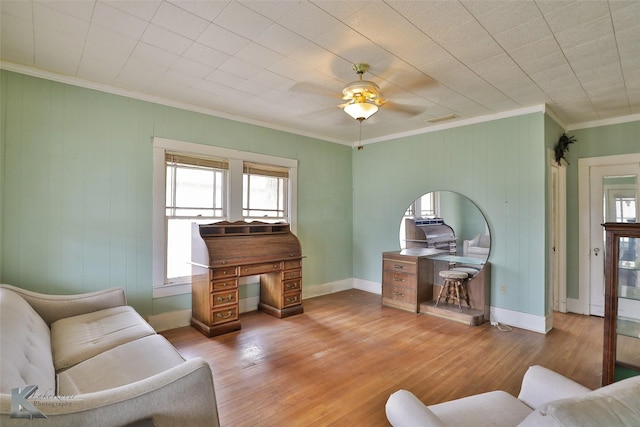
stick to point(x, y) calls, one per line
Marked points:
point(363, 96)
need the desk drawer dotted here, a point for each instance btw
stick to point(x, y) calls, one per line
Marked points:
point(222, 285)
point(399, 279)
point(292, 274)
point(224, 298)
point(224, 315)
point(398, 294)
point(289, 265)
point(399, 266)
point(223, 272)
point(291, 285)
point(250, 270)
point(293, 298)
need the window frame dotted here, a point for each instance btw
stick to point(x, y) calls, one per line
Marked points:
point(236, 161)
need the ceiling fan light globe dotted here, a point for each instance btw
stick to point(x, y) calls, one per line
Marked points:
point(361, 111)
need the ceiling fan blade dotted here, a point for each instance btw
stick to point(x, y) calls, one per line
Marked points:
point(311, 88)
point(405, 109)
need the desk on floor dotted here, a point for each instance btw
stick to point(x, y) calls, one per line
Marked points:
point(224, 252)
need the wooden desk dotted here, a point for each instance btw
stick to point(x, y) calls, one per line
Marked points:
point(223, 252)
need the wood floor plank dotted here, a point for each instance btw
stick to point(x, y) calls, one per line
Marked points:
point(337, 363)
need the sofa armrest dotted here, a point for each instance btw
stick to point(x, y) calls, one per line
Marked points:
point(180, 396)
point(56, 307)
point(404, 409)
point(541, 385)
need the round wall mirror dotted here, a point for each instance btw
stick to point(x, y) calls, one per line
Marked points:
point(447, 221)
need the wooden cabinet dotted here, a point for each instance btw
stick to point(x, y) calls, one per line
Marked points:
point(224, 252)
point(407, 279)
point(621, 356)
point(410, 281)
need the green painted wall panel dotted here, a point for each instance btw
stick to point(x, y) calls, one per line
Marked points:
point(600, 141)
point(77, 189)
point(499, 165)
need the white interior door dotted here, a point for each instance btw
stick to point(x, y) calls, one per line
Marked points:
point(614, 197)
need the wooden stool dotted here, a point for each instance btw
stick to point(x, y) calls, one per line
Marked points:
point(453, 285)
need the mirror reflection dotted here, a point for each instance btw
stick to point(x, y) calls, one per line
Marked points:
point(448, 221)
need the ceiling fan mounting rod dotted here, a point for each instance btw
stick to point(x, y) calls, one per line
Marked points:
point(360, 68)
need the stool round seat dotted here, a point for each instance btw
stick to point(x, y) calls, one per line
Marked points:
point(453, 274)
point(470, 271)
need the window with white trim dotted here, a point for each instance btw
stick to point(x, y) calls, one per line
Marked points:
point(264, 192)
point(195, 192)
point(205, 184)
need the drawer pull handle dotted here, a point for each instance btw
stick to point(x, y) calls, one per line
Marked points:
point(398, 266)
point(224, 316)
point(397, 279)
point(294, 299)
point(293, 285)
point(227, 299)
point(276, 265)
point(398, 294)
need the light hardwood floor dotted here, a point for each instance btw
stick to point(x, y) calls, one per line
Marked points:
point(337, 363)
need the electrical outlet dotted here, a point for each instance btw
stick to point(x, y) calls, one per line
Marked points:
point(503, 289)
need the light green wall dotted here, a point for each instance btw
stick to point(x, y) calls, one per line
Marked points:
point(592, 142)
point(499, 165)
point(75, 175)
point(77, 189)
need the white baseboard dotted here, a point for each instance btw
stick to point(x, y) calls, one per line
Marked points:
point(366, 285)
point(170, 320)
point(530, 322)
point(248, 304)
point(576, 306)
point(326, 288)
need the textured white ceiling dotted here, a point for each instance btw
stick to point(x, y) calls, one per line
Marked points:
point(284, 63)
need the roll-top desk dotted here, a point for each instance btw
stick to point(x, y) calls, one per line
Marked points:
point(224, 252)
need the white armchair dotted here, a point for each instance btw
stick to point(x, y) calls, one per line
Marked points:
point(546, 399)
point(478, 247)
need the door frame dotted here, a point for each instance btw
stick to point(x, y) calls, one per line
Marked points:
point(558, 238)
point(581, 305)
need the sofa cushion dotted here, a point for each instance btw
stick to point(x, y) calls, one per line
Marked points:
point(79, 338)
point(617, 404)
point(495, 408)
point(122, 365)
point(25, 346)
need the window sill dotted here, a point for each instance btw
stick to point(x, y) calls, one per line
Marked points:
point(171, 290)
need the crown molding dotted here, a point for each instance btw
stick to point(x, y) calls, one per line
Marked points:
point(459, 123)
point(75, 81)
point(605, 122)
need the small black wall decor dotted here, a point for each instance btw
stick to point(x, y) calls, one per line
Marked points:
point(562, 147)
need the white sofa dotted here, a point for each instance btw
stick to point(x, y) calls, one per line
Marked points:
point(546, 399)
point(478, 247)
point(95, 362)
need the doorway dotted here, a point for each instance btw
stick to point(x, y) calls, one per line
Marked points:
point(557, 251)
point(609, 192)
